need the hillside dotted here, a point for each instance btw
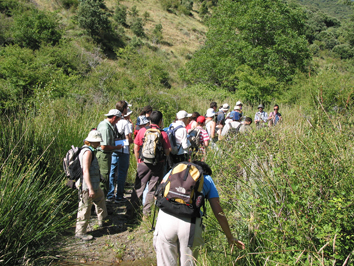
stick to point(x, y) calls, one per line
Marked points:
point(331, 7)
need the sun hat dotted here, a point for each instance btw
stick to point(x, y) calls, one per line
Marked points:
point(114, 112)
point(237, 108)
point(142, 120)
point(182, 114)
point(128, 104)
point(210, 112)
point(260, 106)
point(239, 103)
point(94, 136)
point(225, 107)
point(201, 119)
point(129, 112)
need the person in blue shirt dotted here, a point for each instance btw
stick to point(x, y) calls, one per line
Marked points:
point(172, 233)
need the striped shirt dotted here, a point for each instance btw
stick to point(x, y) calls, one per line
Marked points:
point(203, 135)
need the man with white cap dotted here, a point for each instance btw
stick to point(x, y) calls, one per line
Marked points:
point(261, 117)
point(120, 158)
point(107, 145)
point(210, 124)
point(178, 137)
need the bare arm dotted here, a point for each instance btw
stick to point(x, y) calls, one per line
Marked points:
point(136, 151)
point(220, 216)
point(206, 143)
point(110, 148)
point(129, 138)
point(86, 161)
point(212, 130)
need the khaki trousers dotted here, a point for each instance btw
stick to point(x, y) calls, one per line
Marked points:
point(171, 240)
point(84, 211)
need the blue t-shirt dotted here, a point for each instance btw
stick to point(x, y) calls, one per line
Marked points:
point(209, 189)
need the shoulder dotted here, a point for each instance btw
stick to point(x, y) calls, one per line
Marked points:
point(209, 188)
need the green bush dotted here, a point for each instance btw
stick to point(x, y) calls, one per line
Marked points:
point(120, 14)
point(69, 3)
point(345, 51)
point(34, 27)
point(157, 34)
point(137, 27)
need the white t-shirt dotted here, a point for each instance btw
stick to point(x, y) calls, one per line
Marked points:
point(124, 126)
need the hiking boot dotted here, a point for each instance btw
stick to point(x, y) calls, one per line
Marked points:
point(84, 237)
point(121, 200)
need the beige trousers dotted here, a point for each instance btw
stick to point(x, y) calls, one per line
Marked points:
point(171, 240)
point(84, 211)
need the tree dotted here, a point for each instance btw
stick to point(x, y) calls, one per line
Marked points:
point(265, 35)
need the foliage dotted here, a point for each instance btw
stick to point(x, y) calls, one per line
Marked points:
point(157, 34)
point(120, 14)
point(137, 26)
point(345, 51)
point(334, 8)
point(69, 3)
point(246, 34)
point(34, 27)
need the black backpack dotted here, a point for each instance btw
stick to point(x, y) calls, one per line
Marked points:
point(181, 194)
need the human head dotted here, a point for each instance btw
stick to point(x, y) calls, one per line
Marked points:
point(214, 105)
point(94, 138)
point(113, 116)
point(201, 120)
point(260, 107)
point(276, 108)
point(225, 107)
point(248, 121)
point(239, 103)
point(194, 116)
point(142, 121)
point(156, 118)
point(183, 116)
point(129, 112)
point(122, 106)
point(210, 113)
point(146, 111)
point(205, 167)
point(237, 109)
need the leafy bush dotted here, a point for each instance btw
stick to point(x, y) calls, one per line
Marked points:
point(345, 51)
point(157, 34)
point(69, 3)
point(34, 27)
point(120, 14)
point(137, 27)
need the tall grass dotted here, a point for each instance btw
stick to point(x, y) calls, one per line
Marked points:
point(288, 195)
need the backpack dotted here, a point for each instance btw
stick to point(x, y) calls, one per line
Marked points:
point(72, 166)
point(181, 194)
point(236, 130)
point(171, 133)
point(194, 138)
point(152, 151)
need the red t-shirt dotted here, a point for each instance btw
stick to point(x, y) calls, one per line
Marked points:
point(139, 138)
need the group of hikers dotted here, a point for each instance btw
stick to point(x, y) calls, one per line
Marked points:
point(171, 171)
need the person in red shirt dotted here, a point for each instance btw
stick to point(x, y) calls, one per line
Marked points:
point(147, 172)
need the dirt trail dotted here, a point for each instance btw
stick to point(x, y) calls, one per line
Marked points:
point(119, 242)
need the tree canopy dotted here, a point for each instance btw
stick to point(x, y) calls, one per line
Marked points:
point(248, 40)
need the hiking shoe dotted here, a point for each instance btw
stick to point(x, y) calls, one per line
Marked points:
point(84, 237)
point(121, 200)
point(110, 200)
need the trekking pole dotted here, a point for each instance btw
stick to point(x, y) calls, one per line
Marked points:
point(153, 220)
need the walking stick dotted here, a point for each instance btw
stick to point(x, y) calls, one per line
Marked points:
point(153, 220)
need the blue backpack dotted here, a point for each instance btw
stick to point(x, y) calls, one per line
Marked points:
point(171, 133)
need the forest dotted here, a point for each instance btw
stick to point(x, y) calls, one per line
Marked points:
point(286, 190)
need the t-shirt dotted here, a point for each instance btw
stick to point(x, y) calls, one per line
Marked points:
point(209, 188)
point(108, 133)
point(220, 118)
point(203, 135)
point(139, 138)
point(126, 128)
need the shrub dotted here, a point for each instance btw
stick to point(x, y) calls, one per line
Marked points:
point(137, 27)
point(34, 27)
point(69, 3)
point(345, 51)
point(120, 14)
point(157, 34)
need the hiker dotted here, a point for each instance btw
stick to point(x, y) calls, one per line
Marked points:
point(246, 126)
point(120, 158)
point(275, 116)
point(178, 138)
point(152, 171)
point(261, 117)
point(220, 120)
point(172, 233)
point(142, 121)
point(90, 192)
point(214, 106)
point(240, 105)
point(107, 146)
point(193, 123)
point(203, 139)
point(145, 112)
point(210, 124)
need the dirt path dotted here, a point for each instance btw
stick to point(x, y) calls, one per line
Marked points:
point(119, 242)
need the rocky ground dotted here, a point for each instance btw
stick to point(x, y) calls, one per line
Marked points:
point(119, 242)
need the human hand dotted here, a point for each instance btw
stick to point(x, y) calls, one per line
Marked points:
point(91, 193)
point(233, 241)
point(118, 147)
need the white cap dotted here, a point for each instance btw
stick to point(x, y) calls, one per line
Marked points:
point(94, 136)
point(239, 103)
point(129, 112)
point(142, 120)
point(114, 112)
point(183, 114)
point(225, 107)
point(210, 112)
point(128, 104)
point(237, 107)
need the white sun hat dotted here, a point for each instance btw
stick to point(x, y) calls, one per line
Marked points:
point(94, 136)
point(210, 112)
point(182, 114)
point(129, 112)
point(114, 112)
